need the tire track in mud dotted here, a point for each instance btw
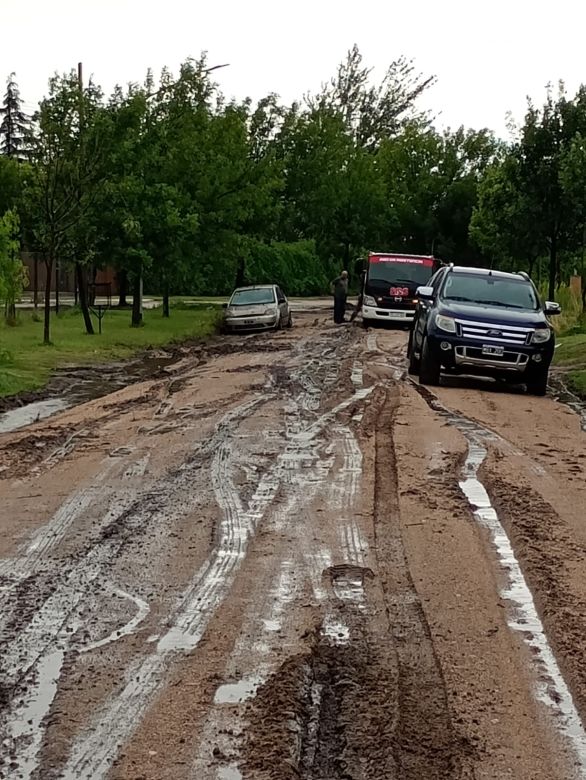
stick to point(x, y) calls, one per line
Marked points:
point(95, 751)
point(40, 615)
point(306, 477)
point(53, 626)
point(551, 688)
point(366, 697)
point(427, 746)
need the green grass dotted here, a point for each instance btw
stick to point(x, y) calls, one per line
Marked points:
point(26, 364)
point(577, 382)
point(571, 355)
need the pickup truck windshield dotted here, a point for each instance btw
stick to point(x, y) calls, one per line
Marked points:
point(252, 297)
point(490, 291)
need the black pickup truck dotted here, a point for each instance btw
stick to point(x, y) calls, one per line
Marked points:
point(482, 322)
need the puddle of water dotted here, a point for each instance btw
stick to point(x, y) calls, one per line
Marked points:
point(349, 589)
point(25, 725)
point(31, 413)
point(237, 692)
point(229, 773)
point(71, 387)
point(357, 376)
point(335, 630)
point(272, 625)
point(371, 344)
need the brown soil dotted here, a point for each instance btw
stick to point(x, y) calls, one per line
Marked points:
point(258, 563)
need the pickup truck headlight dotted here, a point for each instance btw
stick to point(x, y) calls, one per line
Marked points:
point(445, 323)
point(369, 300)
point(541, 335)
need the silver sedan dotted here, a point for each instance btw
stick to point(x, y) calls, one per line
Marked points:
point(263, 307)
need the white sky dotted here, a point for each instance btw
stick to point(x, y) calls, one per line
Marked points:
point(486, 60)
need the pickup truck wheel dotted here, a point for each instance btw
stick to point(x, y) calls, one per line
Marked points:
point(414, 361)
point(290, 321)
point(538, 383)
point(429, 367)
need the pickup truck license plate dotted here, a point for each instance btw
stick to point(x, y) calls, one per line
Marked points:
point(490, 350)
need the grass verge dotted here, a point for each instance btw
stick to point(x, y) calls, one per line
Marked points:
point(571, 356)
point(26, 364)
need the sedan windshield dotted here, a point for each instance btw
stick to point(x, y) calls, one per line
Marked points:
point(490, 291)
point(251, 297)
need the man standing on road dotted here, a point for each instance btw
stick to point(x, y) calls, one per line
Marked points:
point(340, 291)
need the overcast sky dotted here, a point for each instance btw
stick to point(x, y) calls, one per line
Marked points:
point(487, 57)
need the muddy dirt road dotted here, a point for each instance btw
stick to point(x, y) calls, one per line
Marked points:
point(284, 559)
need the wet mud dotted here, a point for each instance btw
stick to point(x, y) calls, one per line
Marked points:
point(551, 559)
point(223, 586)
point(75, 385)
point(551, 686)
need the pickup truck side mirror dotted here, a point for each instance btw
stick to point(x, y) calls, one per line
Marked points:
point(425, 293)
point(551, 307)
point(224, 306)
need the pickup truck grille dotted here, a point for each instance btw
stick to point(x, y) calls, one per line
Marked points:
point(499, 334)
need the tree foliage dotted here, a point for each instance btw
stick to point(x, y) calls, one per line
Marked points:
point(12, 271)
point(532, 201)
point(372, 112)
point(170, 183)
point(14, 124)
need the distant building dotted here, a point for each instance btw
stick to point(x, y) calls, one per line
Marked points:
point(37, 277)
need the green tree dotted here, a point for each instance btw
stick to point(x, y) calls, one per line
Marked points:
point(505, 222)
point(65, 175)
point(373, 112)
point(14, 126)
point(12, 177)
point(573, 182)
point(13, 274)
point(334, 194)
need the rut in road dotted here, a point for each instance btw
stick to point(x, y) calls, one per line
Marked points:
point(371, 701)
point(427, 745)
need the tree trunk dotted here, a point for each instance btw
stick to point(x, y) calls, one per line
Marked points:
point(531, 265)
point(36, 283)
point(91, 295)
point(241, 272)
point(137, 301)
point(122, 289)
point(57, 280)
point(10, 313)
point(47, 325)
point(553, 267)
point(166, 312)
point(83, 302)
